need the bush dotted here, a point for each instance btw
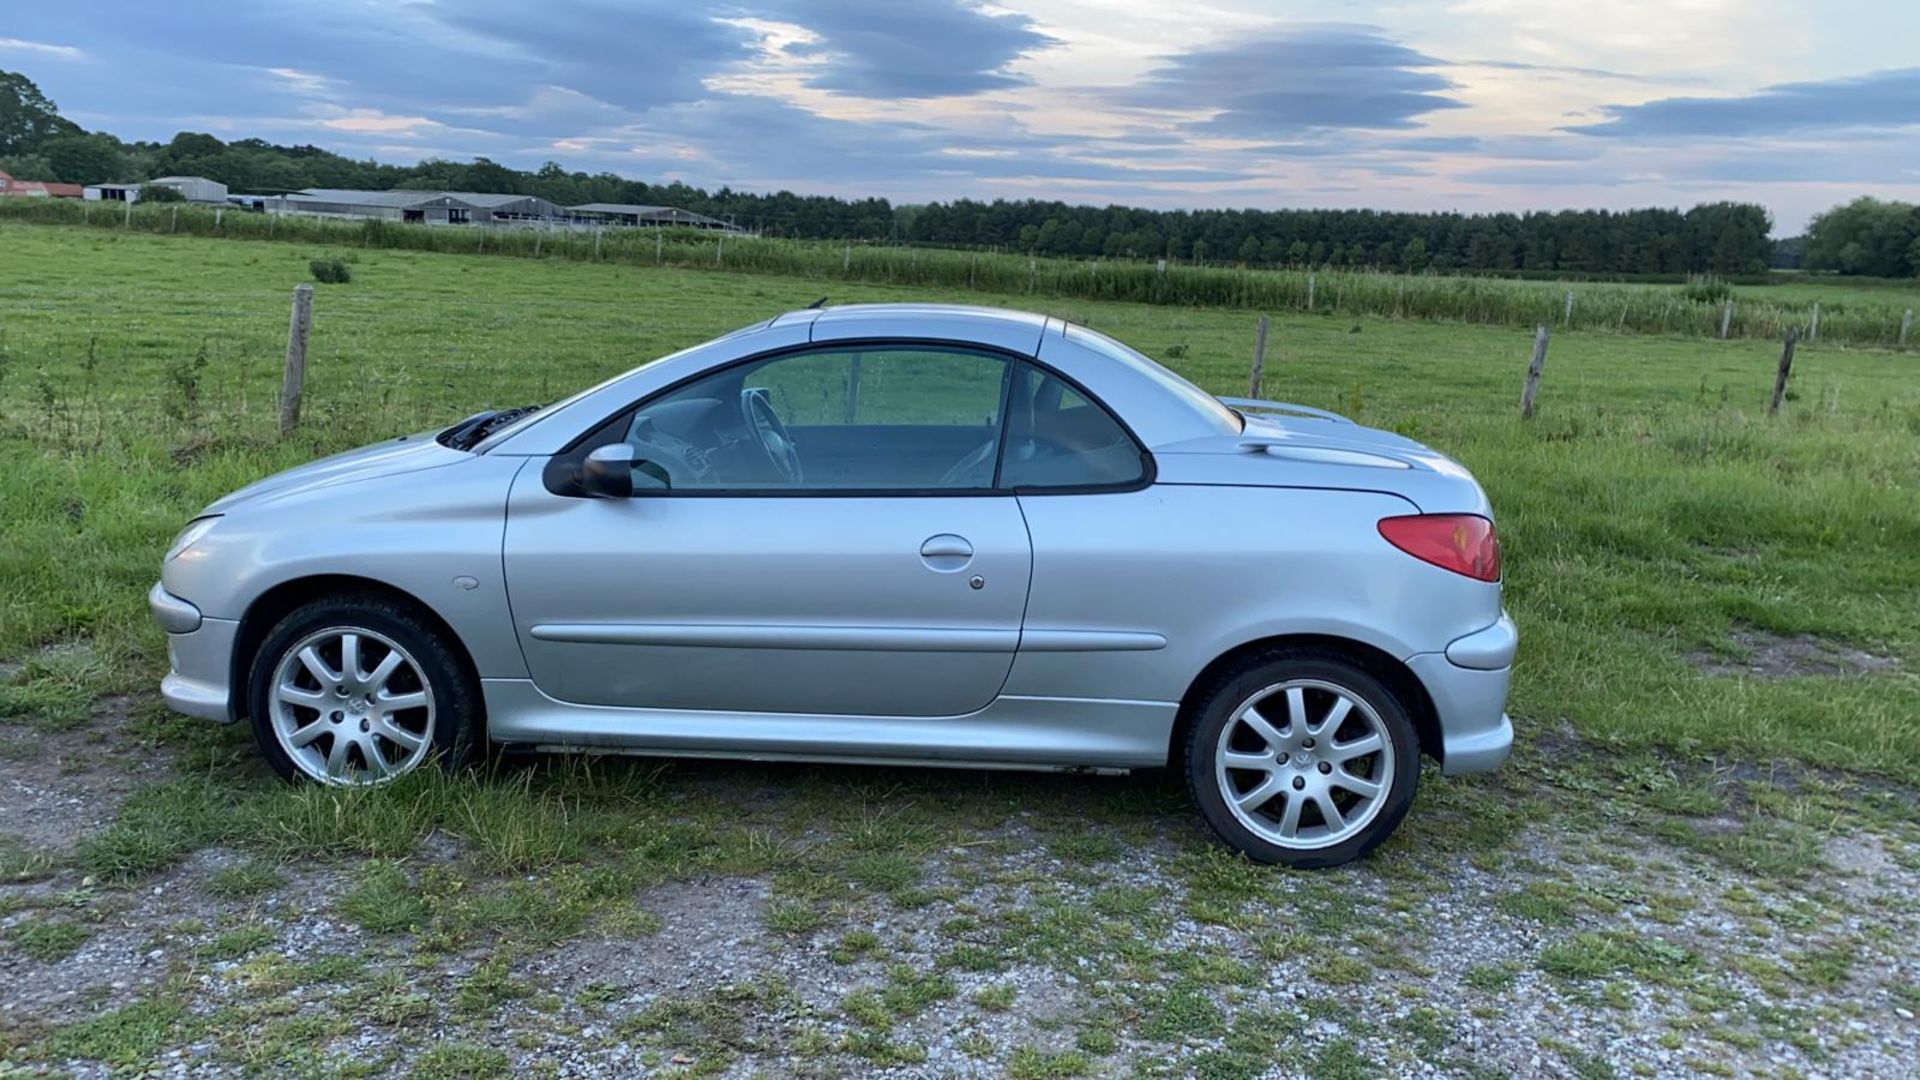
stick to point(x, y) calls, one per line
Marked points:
point(1707, 289)
point(330, 271)
point(154, 193)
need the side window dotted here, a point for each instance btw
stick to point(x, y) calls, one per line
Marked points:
point(897, 417)
point(1058, 438)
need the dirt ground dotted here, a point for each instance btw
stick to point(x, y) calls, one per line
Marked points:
point(1557, 920)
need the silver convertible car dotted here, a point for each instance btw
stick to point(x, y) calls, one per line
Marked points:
point(910, 534)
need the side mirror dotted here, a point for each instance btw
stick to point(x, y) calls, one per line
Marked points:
point(608, 472)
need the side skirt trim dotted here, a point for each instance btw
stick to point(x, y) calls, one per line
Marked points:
point(1032, 732)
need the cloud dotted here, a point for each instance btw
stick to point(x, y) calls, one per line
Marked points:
point(64, 52)
point(1879, 99)
point(759, 142)
point(375, 122)
point(893, 49)
point(1298, 79)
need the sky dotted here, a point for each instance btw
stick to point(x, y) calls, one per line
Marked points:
point(1471, 105)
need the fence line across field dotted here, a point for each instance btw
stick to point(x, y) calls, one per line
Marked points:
point(1620, 307)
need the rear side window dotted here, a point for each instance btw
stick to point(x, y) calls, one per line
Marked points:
point(1059, 439)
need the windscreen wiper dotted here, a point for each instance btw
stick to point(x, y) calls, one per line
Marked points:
point(468, 433)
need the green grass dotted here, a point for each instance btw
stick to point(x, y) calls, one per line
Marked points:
point(1856, 314)
point(1650, 511)
point(47, 940)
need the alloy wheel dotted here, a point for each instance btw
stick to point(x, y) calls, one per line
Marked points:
point(1304, 764)
point(350, 706)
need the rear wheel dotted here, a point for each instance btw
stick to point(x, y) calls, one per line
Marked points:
point(1302, 758)
point(357, 691)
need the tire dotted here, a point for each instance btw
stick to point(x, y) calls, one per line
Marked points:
point(425, 708)
point(1253, 785)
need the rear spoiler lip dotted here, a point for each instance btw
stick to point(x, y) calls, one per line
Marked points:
point(1257, 405)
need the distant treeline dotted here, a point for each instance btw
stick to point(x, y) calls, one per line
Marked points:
point(1727, 239)
point(1720, 238)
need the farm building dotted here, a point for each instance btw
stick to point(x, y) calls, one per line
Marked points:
point(36, 189)
point(628, 214)
point(196, 189)
point(426, 207)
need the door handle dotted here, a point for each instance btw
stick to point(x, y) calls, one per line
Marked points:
point(946, 546)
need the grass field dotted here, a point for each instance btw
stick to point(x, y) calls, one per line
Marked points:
point(1651, 511)
point(1663, 536)
point(1859, 314)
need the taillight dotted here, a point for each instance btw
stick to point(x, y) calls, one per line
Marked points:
point(1462, 543)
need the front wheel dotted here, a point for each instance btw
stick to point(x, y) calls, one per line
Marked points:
point(359, 690)
point(1302, 758)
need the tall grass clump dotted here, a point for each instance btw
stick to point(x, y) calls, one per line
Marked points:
point(330, 271)
point(1707, 289)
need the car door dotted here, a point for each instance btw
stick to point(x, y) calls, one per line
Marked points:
point(793, 545)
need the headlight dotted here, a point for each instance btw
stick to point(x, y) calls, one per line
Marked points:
point(189, 536)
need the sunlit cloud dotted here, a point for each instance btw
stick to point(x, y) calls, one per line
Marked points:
point(1466, 104)
point(21, 45)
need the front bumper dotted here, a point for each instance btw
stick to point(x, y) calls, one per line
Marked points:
point(1468, 684)
point(199, 658)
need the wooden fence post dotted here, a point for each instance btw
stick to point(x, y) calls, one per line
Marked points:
point(1813, 331)
point(1259, 359)
point(1566, 320)
point(1533, 371)
point(174, 224)
point(596, 243)
point(294, 380)
point(846, 260)
point(1309, 292)
point(539, 240)
point(659, 246)
point(218, 213)
point(720, 250)
point(1786, 368)
point(1906, 325)
point(1726, 319)
point(129, 217)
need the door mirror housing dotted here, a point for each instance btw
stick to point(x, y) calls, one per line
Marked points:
point(613, 471)
point(608, 472)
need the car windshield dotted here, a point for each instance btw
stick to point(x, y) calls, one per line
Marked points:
point(1186, 393)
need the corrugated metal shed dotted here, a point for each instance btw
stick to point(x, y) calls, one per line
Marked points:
point(193, 188)
point(30, 189)
point(397, 199)
point(633, 214)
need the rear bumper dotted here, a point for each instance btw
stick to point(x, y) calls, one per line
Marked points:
point(199, 658)
point(1468, 684)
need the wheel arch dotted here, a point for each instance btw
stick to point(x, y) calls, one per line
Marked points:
point(1382, 665)
point(271, 606)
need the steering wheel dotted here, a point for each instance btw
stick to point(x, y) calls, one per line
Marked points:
point(772, 433)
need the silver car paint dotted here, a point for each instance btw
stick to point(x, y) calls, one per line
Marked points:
point(810, 605)
point(813, 627)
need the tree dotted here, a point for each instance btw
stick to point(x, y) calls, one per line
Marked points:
point(27, 167)
point(86, 159)
point(1414, 255)
point(27, 118)
point(1866, 236)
